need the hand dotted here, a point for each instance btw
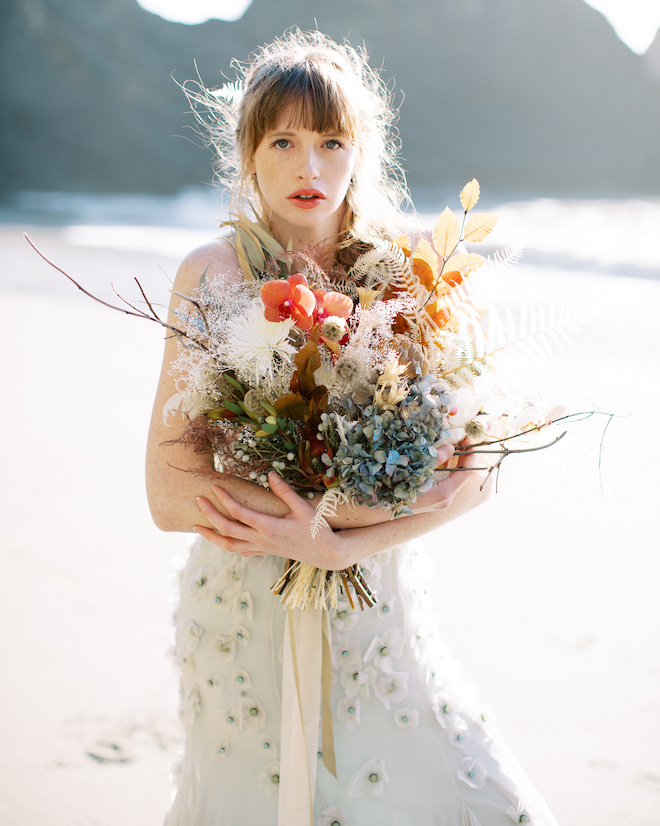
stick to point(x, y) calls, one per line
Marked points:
point(251, 533)
point(442, 493)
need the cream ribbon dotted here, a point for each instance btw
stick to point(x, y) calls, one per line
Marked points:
point(306, 683)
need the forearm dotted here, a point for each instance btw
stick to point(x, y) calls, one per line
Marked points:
point(176, 477)
point(373, 539)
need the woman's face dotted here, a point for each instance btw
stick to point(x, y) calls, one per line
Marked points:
point(303, 178)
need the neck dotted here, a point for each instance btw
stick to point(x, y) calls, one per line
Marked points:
point(322, 248)
point(323, 238)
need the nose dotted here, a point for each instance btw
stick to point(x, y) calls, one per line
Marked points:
point(308, 166)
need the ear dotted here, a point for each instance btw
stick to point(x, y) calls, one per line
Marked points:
point(251, 166)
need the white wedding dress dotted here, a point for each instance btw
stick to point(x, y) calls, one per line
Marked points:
point(413, 746)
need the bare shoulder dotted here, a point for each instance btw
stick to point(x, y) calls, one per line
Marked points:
point(214, 258)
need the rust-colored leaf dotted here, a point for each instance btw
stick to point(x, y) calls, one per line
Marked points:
point(308, 362)
point(470, 194)
point(446, 233)
point(291, 406)
point(425, 264)
point(308, 358)
point(478, 226)
point(452, 277)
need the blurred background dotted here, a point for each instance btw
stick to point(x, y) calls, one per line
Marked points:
point(548, 595)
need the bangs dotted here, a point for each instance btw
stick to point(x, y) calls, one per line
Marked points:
point(313, 97)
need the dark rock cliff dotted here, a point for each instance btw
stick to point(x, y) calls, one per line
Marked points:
point(524, 94)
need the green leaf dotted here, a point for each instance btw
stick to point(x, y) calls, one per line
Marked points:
point(234, 382)
point(269, 407)
point(235, 408)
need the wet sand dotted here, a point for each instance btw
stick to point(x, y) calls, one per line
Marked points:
point(548, 595)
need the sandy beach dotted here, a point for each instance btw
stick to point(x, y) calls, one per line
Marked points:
point(548, 595)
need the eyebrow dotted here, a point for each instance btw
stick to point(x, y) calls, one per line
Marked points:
point(286, 133)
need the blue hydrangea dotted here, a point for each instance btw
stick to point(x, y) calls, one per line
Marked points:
point(387, 457)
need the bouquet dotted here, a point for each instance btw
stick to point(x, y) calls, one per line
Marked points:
point(346, 386)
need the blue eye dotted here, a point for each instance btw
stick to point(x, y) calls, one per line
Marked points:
point(335, 144)
point(282, 143)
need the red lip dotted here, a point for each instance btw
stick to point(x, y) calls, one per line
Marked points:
point(313, 198)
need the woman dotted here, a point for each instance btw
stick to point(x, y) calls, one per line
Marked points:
point(403, 740)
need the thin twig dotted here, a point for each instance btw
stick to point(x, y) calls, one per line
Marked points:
point(134, 311)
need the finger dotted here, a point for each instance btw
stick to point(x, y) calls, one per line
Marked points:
point(224, 526)
point(238, 512)
point(447, 488)
point(227, 543)
point(224, 542)
point(445, 452)
point(466, 459)
point(294, 502)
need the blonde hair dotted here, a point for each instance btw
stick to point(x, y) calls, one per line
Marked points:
point(326, 86)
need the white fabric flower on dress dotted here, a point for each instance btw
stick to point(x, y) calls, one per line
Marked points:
point(357, 680)
point(384, 649)
point(473, 773)
point(372, 568)
point(485, 720)
point(345, 617)
point(346, 652)
point(369, 779)
point(192, 705)
point(241, 679)
point(230, 579)
point(348, 711)
point(385, 607)
point(269, 746)
point(192, 634)
point(240, 634)
point(392, 688)
point(219, 751)
point(443, 709)
point(519, 814)
point(216, 682)
point(222, 601)
point(333, 816)
point(406, 717)
point(252, 715)
point(199, 584)
point(269, 777)
point(243, 605)
point(230, 719)
point(224, 647)
point(458, 733)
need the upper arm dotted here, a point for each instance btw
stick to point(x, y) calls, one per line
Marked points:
point(213, 258)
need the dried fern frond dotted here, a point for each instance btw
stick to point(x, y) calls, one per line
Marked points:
point(326, 508)
point(537, 331)
point(376, 268)
point(503, 261)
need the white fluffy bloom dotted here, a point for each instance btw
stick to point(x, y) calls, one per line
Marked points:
point(253, 344)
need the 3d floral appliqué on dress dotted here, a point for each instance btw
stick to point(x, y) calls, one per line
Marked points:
point(413, 745)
